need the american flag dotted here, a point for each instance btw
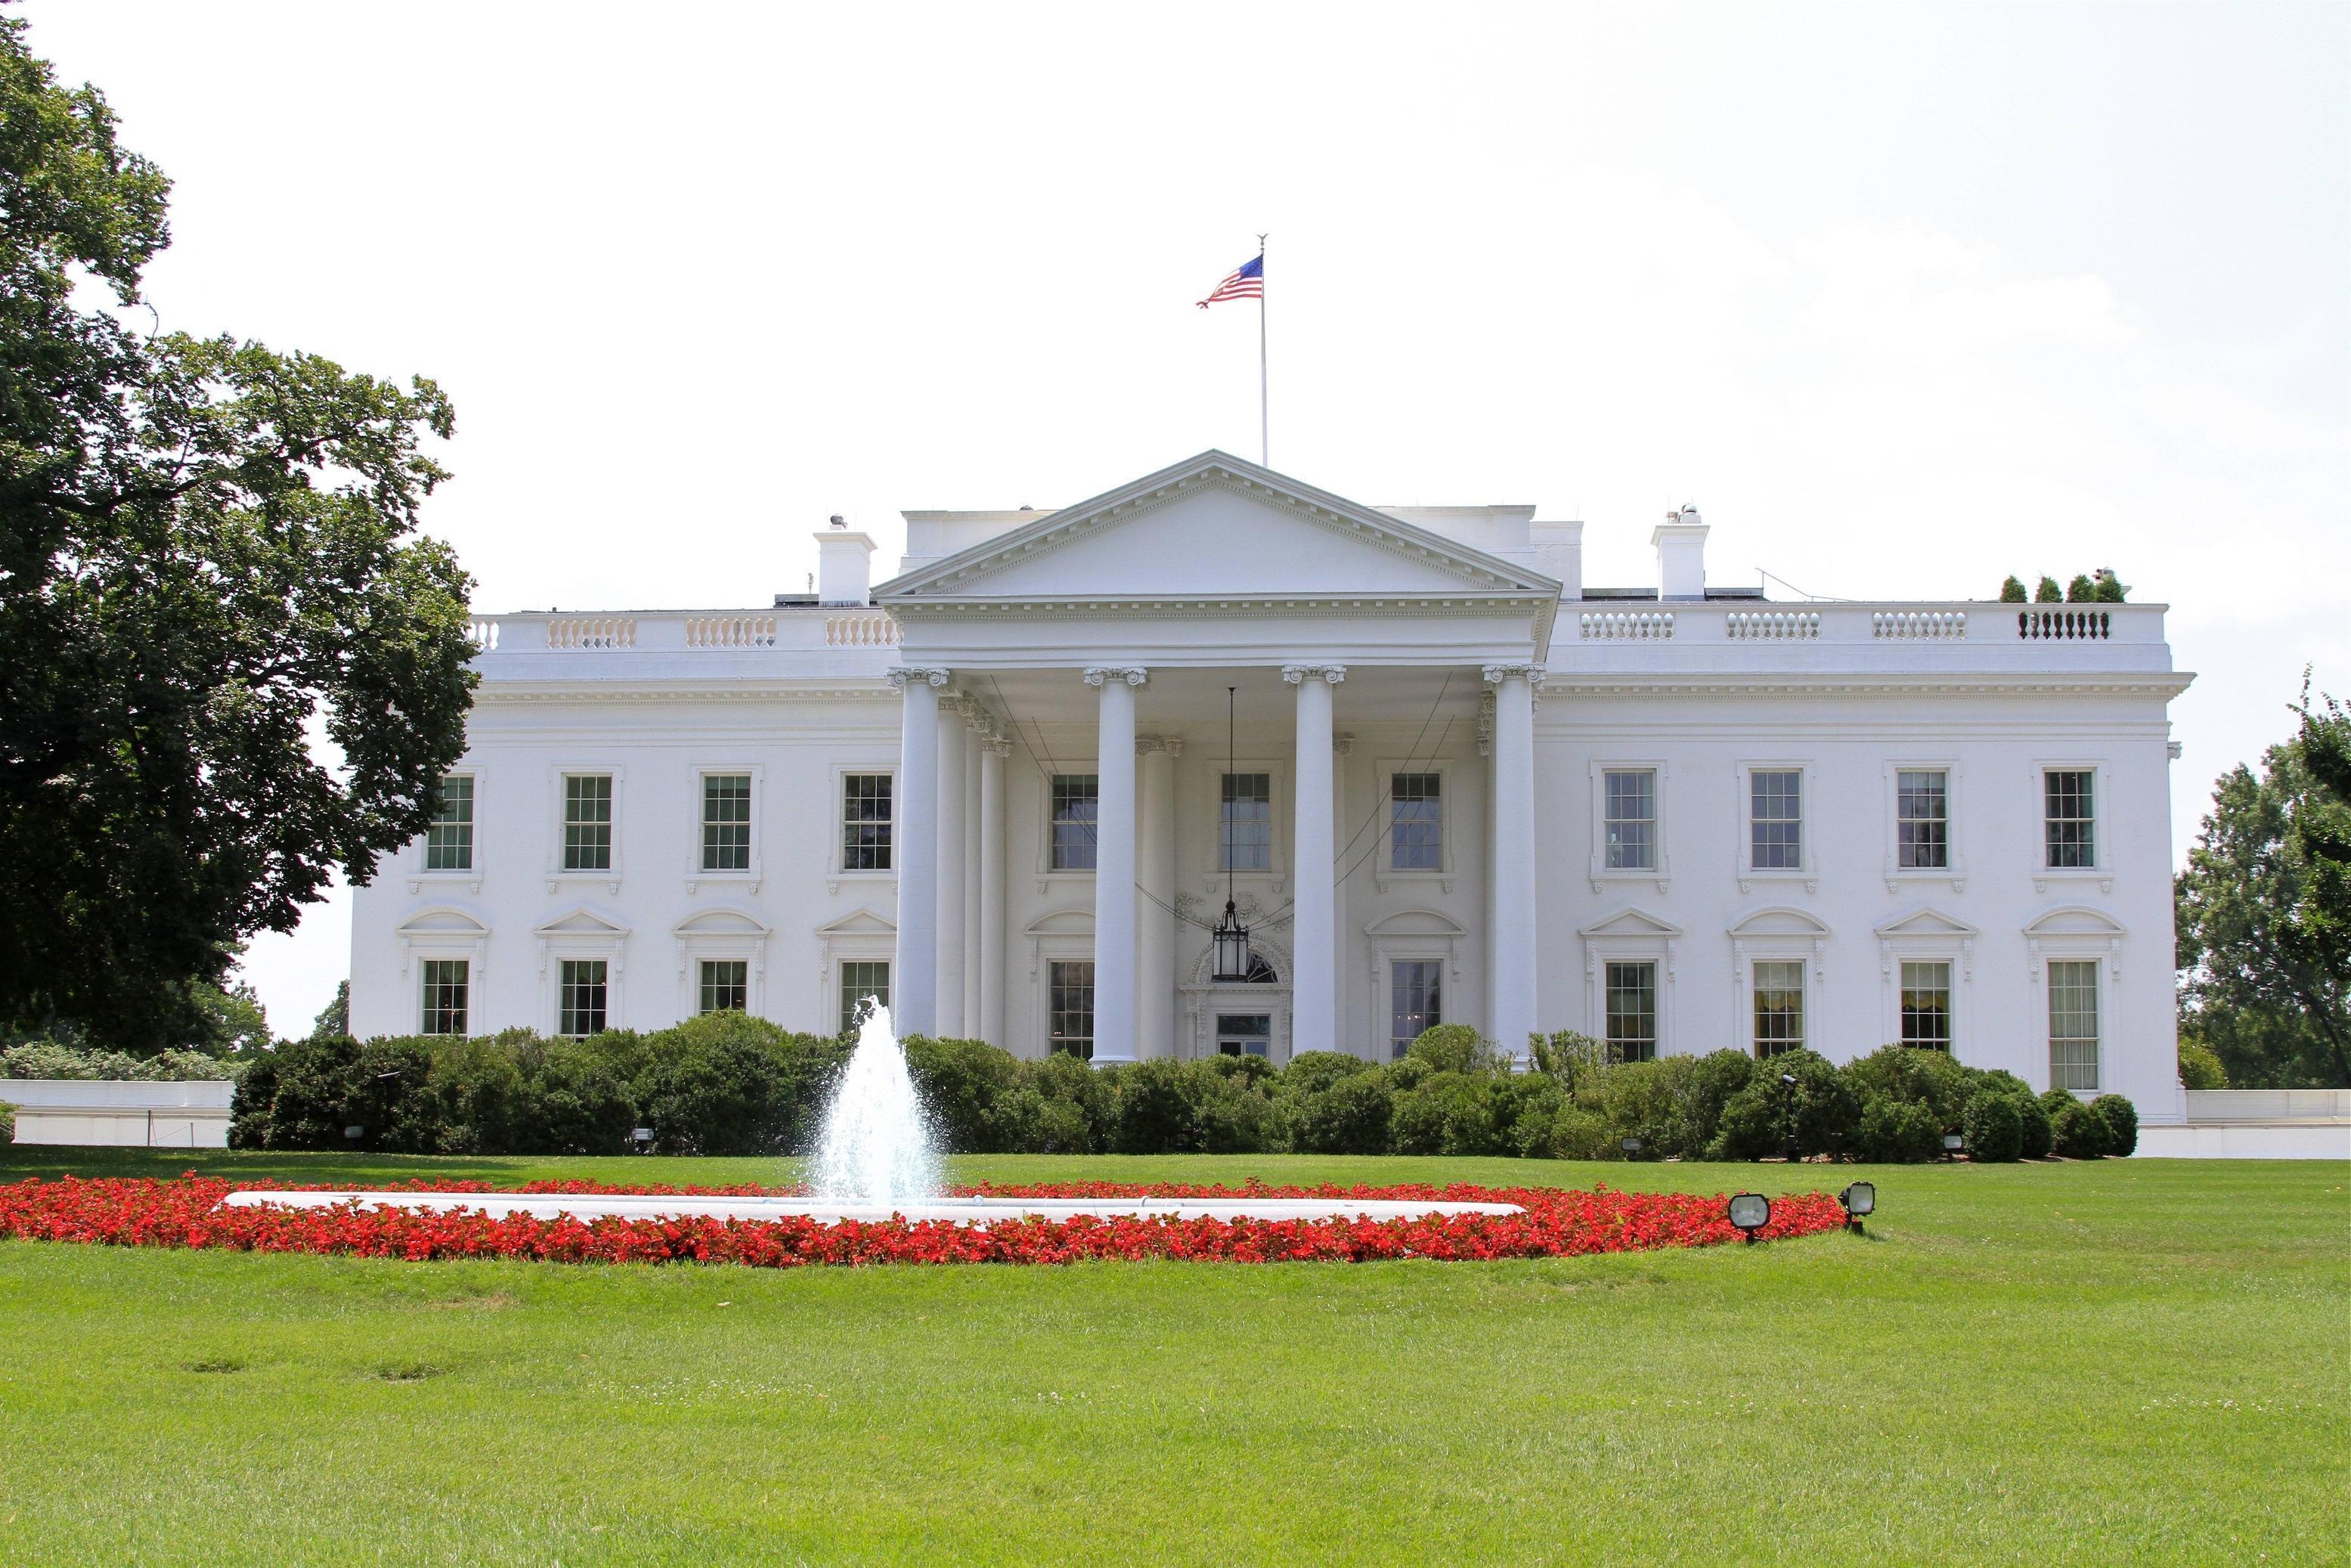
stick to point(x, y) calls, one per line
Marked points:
point(1245, 281)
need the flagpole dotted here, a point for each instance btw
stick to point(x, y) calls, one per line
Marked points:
point(1264, 422)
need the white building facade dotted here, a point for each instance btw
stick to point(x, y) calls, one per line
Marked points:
point(1461, 787)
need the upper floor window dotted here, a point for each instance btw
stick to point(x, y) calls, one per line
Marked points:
point(865, 822)
point(1629, 814)
point(1926, 1004)
point(449, 842)
point(2069, 815)
point(1779, 1007)
point(1632, 1002)
point(447, 990)
point(1245, 830)
point(1077, 807)
point(727, 821)
point(1922, 820)
point(587, 821)
point(2073, 1024)
point(1416, 822)
point(1775, 819)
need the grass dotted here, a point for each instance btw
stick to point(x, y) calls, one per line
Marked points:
point(2124, 1362)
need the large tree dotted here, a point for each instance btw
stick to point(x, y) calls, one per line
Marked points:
point(2263, 926)
point(206, 549)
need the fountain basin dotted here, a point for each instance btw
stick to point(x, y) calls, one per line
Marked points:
point(972, 1211)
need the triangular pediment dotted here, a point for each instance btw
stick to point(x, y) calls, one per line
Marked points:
point(1927, 922)
point(582, 922)
point(1632, 922)
point(859, 923)
point(1216, 526)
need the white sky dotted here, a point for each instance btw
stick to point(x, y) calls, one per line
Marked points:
point(1906, 297)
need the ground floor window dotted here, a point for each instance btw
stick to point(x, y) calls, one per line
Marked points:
point(1926, 1005)
point(858, 981)
point(1245, 1034)
point(1070, 1007)
point(1415, 1001)
point(1779, 1007)
point(580, 1006)
point(726, 985)
point(448, 985)
point(1632, 1025)
point(2073, 1025)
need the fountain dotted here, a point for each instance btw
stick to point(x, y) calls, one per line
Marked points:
point(876, 1159)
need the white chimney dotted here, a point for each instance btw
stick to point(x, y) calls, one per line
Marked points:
point(1558, 552)
point(1681, 555)
point(845, 565)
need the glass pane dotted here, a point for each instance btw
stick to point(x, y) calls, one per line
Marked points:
point(587, 823)
point(1776, 821)
point(1415, 822)
point(858, 981)
point(1077, 802)
point(1632, 1002)
point(1779, 1007)
point(582, 1003)
point(2068, 809)
point(1631, 820)
point(2073, 1025)
point(1922, 820)
point(445, 987)
point(727, 821)
point(726, 985)
point(1245, 828)
point(1415, 1001)
point(1071, 1009)
point(865, 822)
point(449, 842)
point(1926, 1005)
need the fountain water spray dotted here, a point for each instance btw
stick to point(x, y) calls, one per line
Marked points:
point(877, 1146)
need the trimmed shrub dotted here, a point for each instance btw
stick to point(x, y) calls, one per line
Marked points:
point(1577, 1133)
point(2078, 1132)
point(1166, 1106)
point(576, 1097)
point(2122, 1123)
point(1454, 1113)
point(7, 1122)
point(1995, 1127)
point(1818, 1107)
point(1455, 1048)
point(1074, 1108)
point(1349, 1115)
point(967, 1086)
point(1930, 1077)
point(728, 1083)
point(1898, 1132)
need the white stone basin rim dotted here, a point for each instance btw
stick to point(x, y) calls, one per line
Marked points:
point(978, 1211)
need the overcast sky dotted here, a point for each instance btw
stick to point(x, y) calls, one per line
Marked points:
point(1905, 297)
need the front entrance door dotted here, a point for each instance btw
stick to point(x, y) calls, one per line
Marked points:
point(1244, 1034)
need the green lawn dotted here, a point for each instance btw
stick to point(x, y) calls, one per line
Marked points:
point(2124, 1362)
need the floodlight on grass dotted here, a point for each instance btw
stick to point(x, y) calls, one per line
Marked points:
point(1860, 1200)
point(1632, 1148)
point(1751, 1212)
point(643, 1137)
point(355, 1134)
point(1952, 1144)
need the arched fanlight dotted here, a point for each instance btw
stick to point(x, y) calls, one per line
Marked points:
point(1233, 963)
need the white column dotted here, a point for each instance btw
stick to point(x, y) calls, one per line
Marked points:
point(1514, 855)
point(953, 779)
point(1114, 894)
point(992, 754)
point(1155, 965)
point(974, 729)
point(914, 976)
point(1314, 989)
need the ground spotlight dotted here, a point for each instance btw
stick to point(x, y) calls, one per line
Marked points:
point(355, 1133)
point(1632, 1148)
point(1860, 1200)
point(1952, 1144)
point(1751, 1211)
point(643, 1137)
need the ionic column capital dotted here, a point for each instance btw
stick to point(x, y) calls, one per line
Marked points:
point(1497, 674)
point(996, 746)
point(1172, 744)
point(1333, 674)
point(900, 676)
point(1133, 674)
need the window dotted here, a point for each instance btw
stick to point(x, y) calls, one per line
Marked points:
point(859, 980)
point(1415, 822)
point(1926, 1005)
point(1922, 820)
point(865, 822)
point(1779, 1007)
point(726, 986)
point(2069, 813)
point(727, 821)
point(1630, 817)
point(581, 1004)
point(1415, 998)
point(1245, 830)
point(447, 982)
point(587, 821)
point(2073, 1024)
point(1633, 1011)
point(1245, 1034)
point(1077, 806)
point(1072, 1005)
point(1775, 820)
point(449, 842)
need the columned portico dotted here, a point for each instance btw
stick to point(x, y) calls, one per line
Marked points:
point(1314, 989)
point(1114, 862)
point(915, 973)
point(1513, 933)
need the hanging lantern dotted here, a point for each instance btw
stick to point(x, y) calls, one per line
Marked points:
point(1233, 963)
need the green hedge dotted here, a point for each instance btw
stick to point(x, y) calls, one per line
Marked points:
point(730, 1084)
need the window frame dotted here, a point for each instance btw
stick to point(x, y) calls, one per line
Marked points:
point(753, 874)
point(1597, 870)
point(1928, 936)
point(1950, 1042)
point(1222, 776)
point(2078, 932)
point(1066, 767)
point(424, 1007)
point(2100, 1012)
point(1807, 869)
point(702, 967)
point(1754, 1005)
point(563, 1001)
point(420, 871)
point(2043, 872)
point(1389, 967)
point(1954, 869)
point(558, 873)
point(841, 968)
point(1053, 1013)
point(839, 868)
point(1608, 990)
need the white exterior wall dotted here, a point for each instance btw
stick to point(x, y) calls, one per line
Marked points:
point(1698, 689)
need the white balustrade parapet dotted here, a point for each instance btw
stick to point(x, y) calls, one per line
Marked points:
point(593, 637)
point(1770, 625)
point(1625, 625)
point(1972, 624)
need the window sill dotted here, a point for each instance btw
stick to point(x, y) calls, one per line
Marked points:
point(1601, 876)
point(1810, 877)
point(1896, 876)
point(2073, 874)
point(556, 880)
point(1442, 877)
point(472, 879)
point(832, 880)
point(748, 880)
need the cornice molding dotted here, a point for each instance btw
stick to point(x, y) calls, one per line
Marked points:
point(1128, 607)
point(1714, 682)
point(489, 696)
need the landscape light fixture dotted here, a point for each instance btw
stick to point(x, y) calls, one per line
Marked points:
point(1632, 1148)
point(355, 1134)
point(1860, 1200)
point(1232, 935)
point(1751, 1211)
point(1952, 1144)
point(643, 1137)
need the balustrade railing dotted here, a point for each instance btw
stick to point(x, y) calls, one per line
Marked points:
point(586, 633)
point(1939, 624)
point(1626, 625)
point(861, 630)
point(2064, 625)
point(730, 630)
point(1771, 625)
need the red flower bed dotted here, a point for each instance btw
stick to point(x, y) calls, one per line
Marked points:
point(1557, 1224)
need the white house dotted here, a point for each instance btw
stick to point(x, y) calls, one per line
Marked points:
point(1464, 787)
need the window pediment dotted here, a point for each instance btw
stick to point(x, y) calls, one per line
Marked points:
point(1636, 924)
point(582, 922)
point(859, 923)
point(1779, 921)
point(1931, 924)
point(2076, 920)
point(443, 923)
